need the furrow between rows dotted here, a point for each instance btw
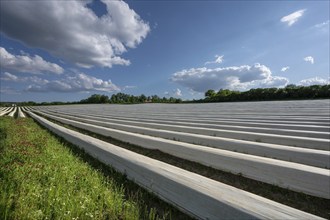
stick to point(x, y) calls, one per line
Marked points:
point(199, 196)
point(209, 139)
point(298, 177)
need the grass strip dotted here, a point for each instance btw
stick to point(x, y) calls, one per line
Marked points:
point(44, 177)
point(311, 204)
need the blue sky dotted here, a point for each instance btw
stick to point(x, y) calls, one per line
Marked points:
point(66, 51)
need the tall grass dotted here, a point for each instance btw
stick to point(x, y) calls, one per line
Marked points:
point(42, 179)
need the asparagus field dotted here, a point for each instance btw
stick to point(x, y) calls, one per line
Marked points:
point(281, 143)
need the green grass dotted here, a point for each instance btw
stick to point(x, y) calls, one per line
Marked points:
point(42, 177)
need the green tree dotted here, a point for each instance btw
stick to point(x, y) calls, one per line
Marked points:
point(210, 93)
point(104, 99)
point(142, 98)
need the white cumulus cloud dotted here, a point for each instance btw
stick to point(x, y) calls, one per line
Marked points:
point(80, 82)
point(285, 68)
point(218, 59)
point(8, 77)
point(27, 64)
point(13, 78)
point(178, 92)
point(309, 59)
point(73, 32)
point(293, 17)
point(234, 78)
point(314, 81)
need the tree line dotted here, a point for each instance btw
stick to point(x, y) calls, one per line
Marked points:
point(122, 98)
point(290, 92)
point(119, 98)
